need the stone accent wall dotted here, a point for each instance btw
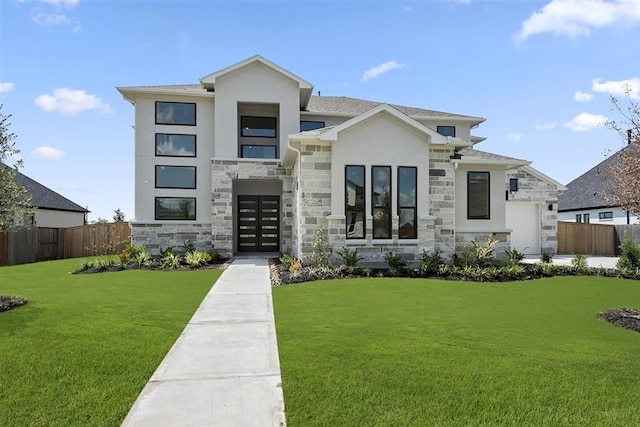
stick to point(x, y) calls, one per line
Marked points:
point(157, 236)
point(533, 189)
point(223, 173)
point(442, 199)
point(464, 242)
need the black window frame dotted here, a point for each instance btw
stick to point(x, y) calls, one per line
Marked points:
point(400, 206)
point(195, 176)
point(513, 184)
point(362, 209)
point(605, 215)
point(586, 218)
point(195, 113)
point(446, 127)
point(487, 216)
point(375, 207)
point(579, 218)
point(311, 121)
point(275, 127)
point(195, 144)
point(195, 209)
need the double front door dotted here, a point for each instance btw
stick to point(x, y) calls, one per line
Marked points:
point(258, 223)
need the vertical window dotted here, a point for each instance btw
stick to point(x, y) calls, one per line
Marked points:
point(513, 184)
point(381, 201)
point(585, 218)
point(478, 195)
point(355, 201)
point(446, 130)
point(578, 217)
point(407, 202)
point(175, 113)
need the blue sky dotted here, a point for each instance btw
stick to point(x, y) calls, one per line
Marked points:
point(541, 72)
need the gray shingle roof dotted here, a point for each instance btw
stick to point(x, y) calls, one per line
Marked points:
point(45, 198)
point(485, 155)
point(589, 189)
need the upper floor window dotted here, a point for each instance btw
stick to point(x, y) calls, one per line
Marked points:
point(175, 113)
point(259, 152)
point(407, 202)
point(168, 144)
point(261, 127)
point(381, 201)
point(447, 130)
point(354, 192)
point(175, 176)
point(175, 208)
point(513, 184)
point(478, 195)
point(310, 125)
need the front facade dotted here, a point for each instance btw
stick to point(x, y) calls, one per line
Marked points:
point(249, 161)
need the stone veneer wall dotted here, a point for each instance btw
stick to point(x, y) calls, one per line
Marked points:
point(442, 195)
point(156, 236)
point(223, 173)
point(533, 189)
point(464, 242)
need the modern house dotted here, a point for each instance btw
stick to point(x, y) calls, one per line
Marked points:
point(248, 160)
point(586, 197)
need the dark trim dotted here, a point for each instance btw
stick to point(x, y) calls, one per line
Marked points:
point(446, 126)
point(195, 113)
point(195, 176)
point(601, 215)
point(275, 127)
point(364, 204)
point(195, 209)
point(415, 202)
point(195, 144)
point(513, 184)
point(374, 207)
point(590, 208)
point(488, 216)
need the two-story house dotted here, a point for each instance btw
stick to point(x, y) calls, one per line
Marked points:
point(248, 160)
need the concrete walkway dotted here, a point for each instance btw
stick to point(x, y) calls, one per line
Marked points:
point(224, 368)
point(592, 261)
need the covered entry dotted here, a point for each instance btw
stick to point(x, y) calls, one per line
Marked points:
point(258, 223)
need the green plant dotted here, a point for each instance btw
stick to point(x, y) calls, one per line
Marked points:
point(130, 252)
point(349, 257)
point(215, 256)
point(167, 250)
point(546, 257)
point(286, 259)
point(320, 256)
point(188, 246)
point(430, 262)
point(197, 259)
point(483, 254)
point(513, 257)
point(86, 265)
point(580, 262)
point(629, 254)
point(142, 259)
point(395, 262)
point(102, 264)
point(170, 260)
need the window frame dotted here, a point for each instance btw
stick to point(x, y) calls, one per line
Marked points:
point(448, 127)
point(579, 218)
point(605, 215)
point(195, 176)
point(400, 206)
point(488, 183)
point(311, 121)
point(364, 202)
point(195, 144)
point(374, 207)
point(513, 184)
point(275, 127)
point(195, 211)
point(195, 113)
point(242, 146)
point(586, 218)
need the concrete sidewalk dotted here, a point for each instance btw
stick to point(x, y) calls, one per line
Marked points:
point(224, 368)
point(592, 261)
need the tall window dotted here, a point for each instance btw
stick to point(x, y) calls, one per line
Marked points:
point(355, 201)
point(381, 201)
point(586, 218)
point(175, 113)
point(446, 130)
point(175, 208)
point(578, 217)
point(407, 202)
point(478, 195)
point(175, 176)
point(175, 145)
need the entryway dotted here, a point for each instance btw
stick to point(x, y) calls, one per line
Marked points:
point(258, 223)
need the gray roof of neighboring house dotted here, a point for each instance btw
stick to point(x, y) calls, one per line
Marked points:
point(45, 198)
point(589, 189)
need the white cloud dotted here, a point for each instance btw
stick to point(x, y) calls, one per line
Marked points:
point(6, 87)
point(578, 17)
point(380, 69)
point(619, 87)
point(546, 126)
point(62, 3)
point(48, 153)
point(582, 96)
point(515, 136)
point(45, 19)
point(586, 121)
point(69, 101)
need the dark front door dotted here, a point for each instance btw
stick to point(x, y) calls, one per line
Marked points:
point(258, 223)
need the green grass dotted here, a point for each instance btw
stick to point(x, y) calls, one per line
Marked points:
point(82, 349)
point(416, 352)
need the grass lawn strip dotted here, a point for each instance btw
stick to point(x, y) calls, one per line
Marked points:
point(380, 352)
point(82, 349)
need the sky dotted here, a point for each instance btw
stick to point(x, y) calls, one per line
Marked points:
point(541, 72)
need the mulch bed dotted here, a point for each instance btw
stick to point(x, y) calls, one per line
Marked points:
point(8, 302)
point(627, 318)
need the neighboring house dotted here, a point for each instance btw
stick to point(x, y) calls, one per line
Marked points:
point(586, 197)
point(249, 161)
point(52, 209)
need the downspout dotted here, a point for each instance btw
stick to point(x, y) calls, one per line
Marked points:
point(297, 215)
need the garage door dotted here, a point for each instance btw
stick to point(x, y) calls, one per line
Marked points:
point(258, 223)
point(524, 220)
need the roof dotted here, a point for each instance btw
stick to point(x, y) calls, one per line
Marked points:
point(589, 190)
point(472, 156)
point(45, 198)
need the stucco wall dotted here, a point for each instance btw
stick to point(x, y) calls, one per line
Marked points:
point(57, 219)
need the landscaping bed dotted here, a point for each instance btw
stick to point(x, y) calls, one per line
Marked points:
point(9, 302)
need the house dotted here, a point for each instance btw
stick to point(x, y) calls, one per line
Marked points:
point(248, 160)
point(586, 197)
point(51, 209)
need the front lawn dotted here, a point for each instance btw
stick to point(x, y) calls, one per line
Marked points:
point(83, 347)
point(414, 352)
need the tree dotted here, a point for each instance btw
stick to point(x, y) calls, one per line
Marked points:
point(118, 215)
point(624, 173)
point(15, 202)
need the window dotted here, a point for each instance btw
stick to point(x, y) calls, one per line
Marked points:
point(605, 215)
point(478, 195)
point(585, 218)
point(258, 152)
point(310, 125)
point(407, 202)
point(261, 127)
point(381, 201)
point(354, 194)
point(513, 184)
point(169, 144)
point(175, 113)
point(446, 130)
point(578, 217)
point(176, 208)
point(175, 177)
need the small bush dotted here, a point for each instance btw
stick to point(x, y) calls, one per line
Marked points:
point(580, 262)
point(286, 259)
point(143, 259)
point(188, 246)
point(546, 257)
point(322, 250)
point(483, 254)
point(349, 257)
point(296, 265)
point(86, 265)
point(130, 252)
point(430, 262)
point(164, 252)
point(197, 259)
point(215, 256)
point(170, 260)
point(513, 257)
point(629, 254)
point(395, 262)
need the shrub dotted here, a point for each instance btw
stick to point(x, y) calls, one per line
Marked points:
point(86, 265)
point(629, 254)
point(215, 256)
point(286, 259)
point(143, 259)
point(129, 253)
point(395, 262)
point(430, 262)
point(197, 259)
point(170, 260)
point(483, 254)
point(546, 257)
point(102, 264)
point(322, 250)
point(513, 257)
point(579, 262)
point(167, 250)
point(349, 257)
point(188, 247)
point(296, 265)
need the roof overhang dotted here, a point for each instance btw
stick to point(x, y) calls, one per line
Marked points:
point(532, 171)
point(131, 93)
point(501, 163)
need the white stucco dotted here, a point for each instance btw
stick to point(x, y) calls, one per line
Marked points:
point(496, 222)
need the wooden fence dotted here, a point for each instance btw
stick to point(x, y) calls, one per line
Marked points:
point(40, 244)
point(587, 239)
